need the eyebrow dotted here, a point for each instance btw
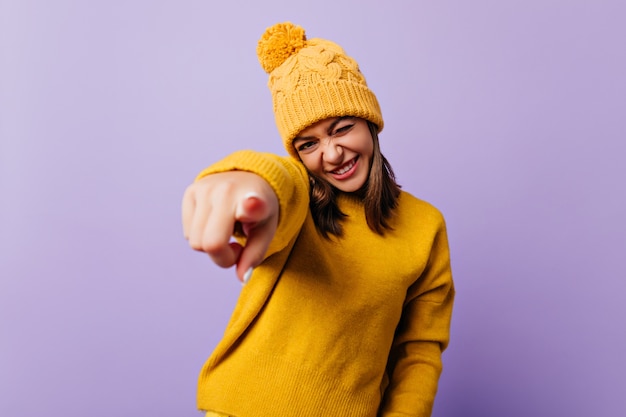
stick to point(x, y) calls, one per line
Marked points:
point(329, 131)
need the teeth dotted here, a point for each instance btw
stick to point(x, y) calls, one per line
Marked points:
point(345, 169)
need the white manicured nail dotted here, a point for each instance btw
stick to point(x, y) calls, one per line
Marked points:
point(239, 211)
point(247, 275)
point(252, 194)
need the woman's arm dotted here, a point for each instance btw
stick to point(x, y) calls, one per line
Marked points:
point(422, 335)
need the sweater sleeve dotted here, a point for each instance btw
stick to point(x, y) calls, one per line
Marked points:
point(289, 180)
point(422, 335)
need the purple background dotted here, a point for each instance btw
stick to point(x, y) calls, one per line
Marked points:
point(510, 116)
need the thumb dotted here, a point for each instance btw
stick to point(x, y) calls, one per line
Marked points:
point(251, 209)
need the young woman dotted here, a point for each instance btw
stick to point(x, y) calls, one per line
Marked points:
point(348, 291)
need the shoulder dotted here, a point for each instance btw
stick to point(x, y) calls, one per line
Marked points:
point(410, 206)
point(418, 219)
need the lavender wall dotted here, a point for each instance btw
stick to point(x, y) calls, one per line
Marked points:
point(508, 115)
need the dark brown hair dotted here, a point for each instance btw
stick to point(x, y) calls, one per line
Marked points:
point(380, 196)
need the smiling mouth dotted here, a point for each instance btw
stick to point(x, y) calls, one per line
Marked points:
point(345, 168)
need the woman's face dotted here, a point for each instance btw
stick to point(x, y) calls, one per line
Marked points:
point(339, 150)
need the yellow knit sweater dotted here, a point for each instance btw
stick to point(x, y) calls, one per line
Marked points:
point(350, 326)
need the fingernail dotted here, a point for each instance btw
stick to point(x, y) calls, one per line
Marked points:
point(247, 275)
point(239, 211)
point(252, 194)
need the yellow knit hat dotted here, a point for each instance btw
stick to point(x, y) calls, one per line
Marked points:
point(311, 80)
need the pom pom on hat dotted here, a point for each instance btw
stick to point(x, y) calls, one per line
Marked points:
point(278, 43)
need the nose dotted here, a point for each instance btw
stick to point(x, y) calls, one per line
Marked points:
point(332, 152)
